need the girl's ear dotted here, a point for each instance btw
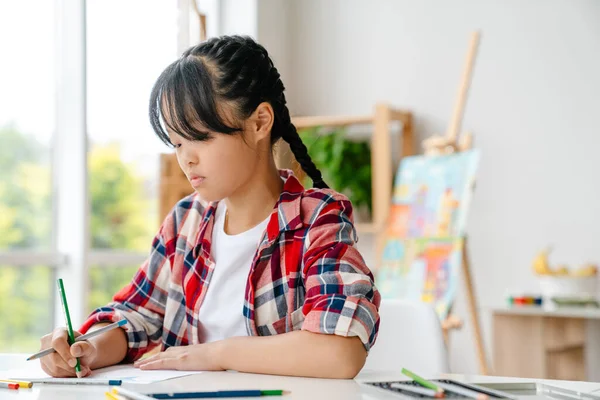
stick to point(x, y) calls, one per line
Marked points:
point(261, 121)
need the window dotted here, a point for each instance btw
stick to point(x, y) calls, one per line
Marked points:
point(44, 157)
point(123, 63)
point(26, 123)
point(26, 126)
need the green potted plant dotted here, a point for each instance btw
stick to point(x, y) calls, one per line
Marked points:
point(345, 164)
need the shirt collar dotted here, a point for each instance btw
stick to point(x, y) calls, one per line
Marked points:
point(285, 216)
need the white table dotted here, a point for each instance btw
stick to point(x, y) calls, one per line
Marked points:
point(300, 388)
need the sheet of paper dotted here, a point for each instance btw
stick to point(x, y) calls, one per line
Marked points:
point(126, 373)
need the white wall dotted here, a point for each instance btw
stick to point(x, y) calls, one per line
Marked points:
point(534, 109)
point(267, 21)
point(238, 17)
point(274, 33)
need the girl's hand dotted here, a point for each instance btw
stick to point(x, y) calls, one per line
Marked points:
point(62, 363)
point(197, 357)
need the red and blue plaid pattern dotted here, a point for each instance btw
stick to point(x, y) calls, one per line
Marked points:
point(307, 274)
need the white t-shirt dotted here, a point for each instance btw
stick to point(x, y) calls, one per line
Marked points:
point(220, 314)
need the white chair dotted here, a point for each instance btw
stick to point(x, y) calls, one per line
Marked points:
point(410, 336)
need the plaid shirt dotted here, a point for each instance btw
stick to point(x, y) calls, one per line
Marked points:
point(306, 275)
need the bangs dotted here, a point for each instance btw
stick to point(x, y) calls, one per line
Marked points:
point(182, 98)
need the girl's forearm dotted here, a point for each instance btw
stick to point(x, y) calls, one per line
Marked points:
point(111, 346)
point(298, 353)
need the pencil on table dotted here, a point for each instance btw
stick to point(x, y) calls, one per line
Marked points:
point(9, 385)
point(22, 384)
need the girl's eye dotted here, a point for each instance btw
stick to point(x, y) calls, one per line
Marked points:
point(178, 145)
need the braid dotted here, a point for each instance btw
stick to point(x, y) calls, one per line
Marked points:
point(291, 136)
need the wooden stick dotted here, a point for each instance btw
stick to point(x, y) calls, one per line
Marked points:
point(466, 142)
point(459, 107)
point(381, 161)
point(472, 303)
point(408, 136)
point(451, 322)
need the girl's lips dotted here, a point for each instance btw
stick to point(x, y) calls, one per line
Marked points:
point(197, 180)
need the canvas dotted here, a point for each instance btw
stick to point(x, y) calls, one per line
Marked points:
point(422, 251)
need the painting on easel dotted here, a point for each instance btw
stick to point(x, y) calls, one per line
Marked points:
point(422, 269)
point(432, 195)
point(424, 249)
point(422, 253)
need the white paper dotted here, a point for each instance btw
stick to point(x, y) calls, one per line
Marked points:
point(126, 373)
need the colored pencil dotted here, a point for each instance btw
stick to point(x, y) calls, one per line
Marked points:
point(217, 394)
point(463, 392)
point(22, 384)
point(9, 385)
point(65, 306)
point(73, 381)
point(130, 394)
point(422, 381)
point(418, 390)
point(114, 396)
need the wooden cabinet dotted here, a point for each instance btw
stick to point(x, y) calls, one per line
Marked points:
point(536, 343)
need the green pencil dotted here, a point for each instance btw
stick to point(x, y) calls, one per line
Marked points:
point(63, 300)
point(271, 392)
point(422, 381)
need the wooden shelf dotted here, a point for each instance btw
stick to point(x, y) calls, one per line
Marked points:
point(309, 122)
point(369, 227)
point(398, 115)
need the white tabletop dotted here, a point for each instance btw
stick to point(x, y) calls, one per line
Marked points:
point(560, 312)
point(299, 388)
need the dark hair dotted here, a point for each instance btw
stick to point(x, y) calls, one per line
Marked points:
point(233, 69)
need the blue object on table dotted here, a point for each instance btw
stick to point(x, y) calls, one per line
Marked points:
point(218, 394)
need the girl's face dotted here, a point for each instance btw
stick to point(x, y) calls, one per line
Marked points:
point(221, 165)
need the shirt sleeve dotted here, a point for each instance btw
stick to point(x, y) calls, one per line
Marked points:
point(142, 302)
point(341, 297)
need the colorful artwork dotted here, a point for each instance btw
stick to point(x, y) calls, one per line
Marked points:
point(422, 251)
point(423, 269)
point(432, 195)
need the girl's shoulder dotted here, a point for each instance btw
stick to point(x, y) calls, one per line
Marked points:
point(316, 203)
point(301, 207)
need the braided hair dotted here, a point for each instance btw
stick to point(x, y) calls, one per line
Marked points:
point(233, 69)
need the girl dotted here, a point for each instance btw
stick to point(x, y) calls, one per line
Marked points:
point(251, 272)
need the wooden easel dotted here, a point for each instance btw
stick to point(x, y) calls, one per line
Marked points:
point(448, 144)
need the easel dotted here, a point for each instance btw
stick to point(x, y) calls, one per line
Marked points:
point(448, 144)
